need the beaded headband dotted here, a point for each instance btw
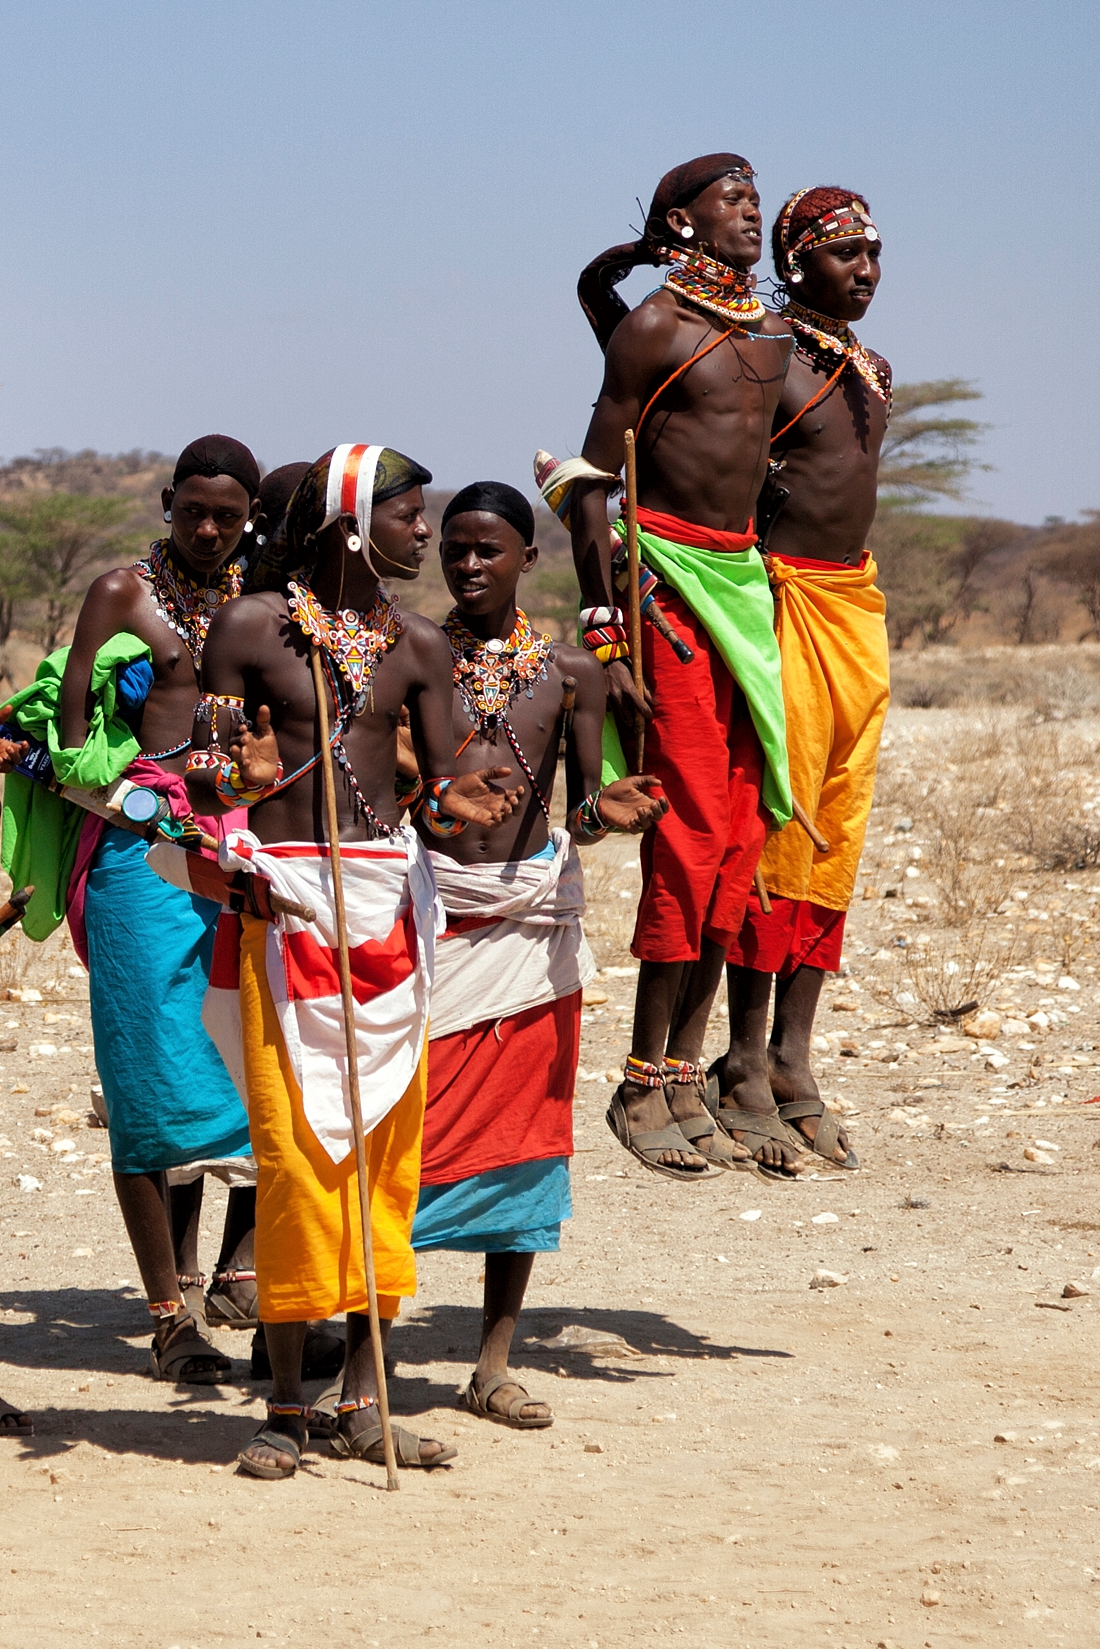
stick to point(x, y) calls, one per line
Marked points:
point(838, 223)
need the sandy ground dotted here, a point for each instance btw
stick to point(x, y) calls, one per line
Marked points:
point(763, 1464)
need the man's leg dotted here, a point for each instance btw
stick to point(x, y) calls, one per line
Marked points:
point(360, 1385)
point(144, 1204)
point(184, 1210)
point(232, 1300)
point(791, 1078)
point(646, 1108)
point(743, 1070)
point(506, 1279)
point(284, 1344)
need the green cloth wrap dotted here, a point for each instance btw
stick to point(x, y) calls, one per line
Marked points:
point(41, 831)
point(728, 591)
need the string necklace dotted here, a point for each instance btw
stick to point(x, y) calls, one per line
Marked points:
point(186, 605)
point(714, 286)
point(490, 674)
point(821, 338)
point(351, 645)
point(354, 641)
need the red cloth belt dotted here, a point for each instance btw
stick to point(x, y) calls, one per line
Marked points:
point(804, 564)
point(687, 532)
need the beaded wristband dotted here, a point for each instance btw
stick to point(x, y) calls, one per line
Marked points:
point(438, 823)
point(589, 818)
point(642, 1073)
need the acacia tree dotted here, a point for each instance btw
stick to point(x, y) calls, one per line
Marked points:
point(50, 546)
point(1073, 557)
point(925, 458)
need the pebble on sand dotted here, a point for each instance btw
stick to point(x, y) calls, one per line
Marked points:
point(828, 1279)
point(1033, 1154)
point(929, 1598)
point(27, 1182)
point(825, 1219)
point(1075, 1291)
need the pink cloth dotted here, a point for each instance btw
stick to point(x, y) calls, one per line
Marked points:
point(152, 776)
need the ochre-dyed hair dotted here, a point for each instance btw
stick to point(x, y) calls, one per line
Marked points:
point(814, 204)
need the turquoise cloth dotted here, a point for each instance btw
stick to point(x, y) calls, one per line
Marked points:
point(41, 831)
point(505, 1211)
point(729, 592)
point(169, 1097)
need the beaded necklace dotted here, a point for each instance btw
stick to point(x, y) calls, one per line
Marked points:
point(186, 606)
point(821, 339)
point(354, 641)
point(717, 287)
point(490, 674)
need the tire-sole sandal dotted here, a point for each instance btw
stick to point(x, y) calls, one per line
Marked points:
point(281, 1443)
point(406, 1446)
point(827, 1135)
point(477, 1402)
point(652, 1142)
point(758, 1131)
point(186, 1345)
point(720, 1151)
point(222, 1311)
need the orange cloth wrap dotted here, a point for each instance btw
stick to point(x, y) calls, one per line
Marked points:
point(309, 1246)
point(831, 628)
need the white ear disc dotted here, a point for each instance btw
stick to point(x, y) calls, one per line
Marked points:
point(354, 543)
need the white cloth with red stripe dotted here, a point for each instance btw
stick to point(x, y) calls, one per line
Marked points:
point(394, 917)
point(514, 938)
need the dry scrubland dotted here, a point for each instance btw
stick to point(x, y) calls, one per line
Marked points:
point(911, 1457)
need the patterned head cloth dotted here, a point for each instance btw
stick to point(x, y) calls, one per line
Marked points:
point(349, 480)
point(813, 216)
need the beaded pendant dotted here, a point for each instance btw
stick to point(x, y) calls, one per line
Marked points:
point(820, 336)
point(490, 674)
point(717, 287)
point(185, 606)
point(354, 641)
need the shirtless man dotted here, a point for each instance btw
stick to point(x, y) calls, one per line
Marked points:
point(506, 1003)
point(170, 1101)
point(830, 620)
point(696, 371)
point(357, 514)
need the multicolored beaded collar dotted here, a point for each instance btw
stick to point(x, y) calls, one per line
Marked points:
point(821, 339)
point(185, 605)
point(353, 641)
point(490, 674)
point(717, 287)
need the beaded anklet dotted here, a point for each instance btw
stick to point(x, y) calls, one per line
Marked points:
point(642, 1074)
point(162, 1310)
point(287, 1411)
point(351, 1405)
point(682, 1072)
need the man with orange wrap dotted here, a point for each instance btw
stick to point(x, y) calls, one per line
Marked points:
point(830, 621)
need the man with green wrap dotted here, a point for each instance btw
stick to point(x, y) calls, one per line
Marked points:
point(696, 371)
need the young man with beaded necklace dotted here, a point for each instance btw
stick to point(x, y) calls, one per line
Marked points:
point(169, 1098)
point(821, 497)
point(257, 663)
point(696, 370)
point(506, 1002)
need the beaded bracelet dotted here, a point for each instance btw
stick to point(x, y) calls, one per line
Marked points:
point(603, 632)
point(589, 818)
point(438, 823)
point(229, 787)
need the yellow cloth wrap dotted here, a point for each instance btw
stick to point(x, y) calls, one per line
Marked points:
point(831, 628)
point(309, 1245)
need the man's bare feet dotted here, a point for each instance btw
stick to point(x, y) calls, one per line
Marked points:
point(13, 1421)
point(793, 1080)
point(647, 1112)
point(179, 1352)
point(689, 1111)
point(359, 1434)
point(263, 1457)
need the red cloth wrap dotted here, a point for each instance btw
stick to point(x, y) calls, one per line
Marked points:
point(689, 532)
point(797, 934)
point(698, 862)
point(501, 1093)
point(807, 565)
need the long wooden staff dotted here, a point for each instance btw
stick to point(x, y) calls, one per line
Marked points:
point(633, 590)
point(392, 1481)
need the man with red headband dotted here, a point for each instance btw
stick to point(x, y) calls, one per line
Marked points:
point(830, 621)
point(696, 371)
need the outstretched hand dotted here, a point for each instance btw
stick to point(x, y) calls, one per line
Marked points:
point(633, 804)
point(256, 751)
point(12, 751)
point(475, 798)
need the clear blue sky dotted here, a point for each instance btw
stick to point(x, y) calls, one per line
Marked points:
point(303, 223)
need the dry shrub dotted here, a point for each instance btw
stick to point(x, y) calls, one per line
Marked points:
point(609, 918)
point(15, 958)
point(961, 965)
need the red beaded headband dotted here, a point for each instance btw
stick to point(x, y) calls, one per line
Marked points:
point(838, 223)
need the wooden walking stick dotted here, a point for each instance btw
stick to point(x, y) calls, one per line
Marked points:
point(353, 1066)
point(633, 592)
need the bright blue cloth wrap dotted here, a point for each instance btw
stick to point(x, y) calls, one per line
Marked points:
point(505, 1211)
point(169, 1097)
